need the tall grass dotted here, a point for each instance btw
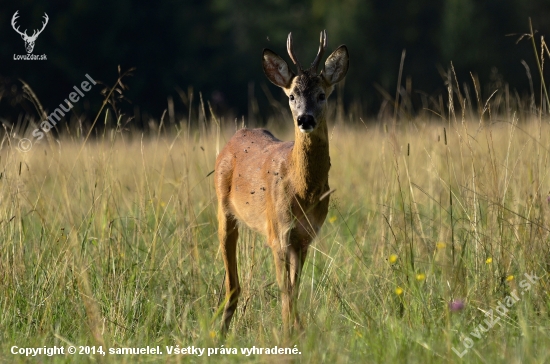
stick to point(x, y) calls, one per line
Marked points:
point(117, 246)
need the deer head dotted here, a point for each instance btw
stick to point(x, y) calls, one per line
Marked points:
point(29, 40)
point(307, 90)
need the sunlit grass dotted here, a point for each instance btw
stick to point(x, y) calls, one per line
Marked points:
point(428, 228)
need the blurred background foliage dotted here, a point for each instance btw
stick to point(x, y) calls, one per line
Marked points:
point(214, 47)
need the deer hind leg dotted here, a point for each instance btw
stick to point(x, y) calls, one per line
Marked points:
point(228, 234)
point(289, 261)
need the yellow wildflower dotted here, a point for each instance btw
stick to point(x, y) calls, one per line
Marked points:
point(489, 260)
point(393, 258)
point(398, 291)
point(440, 245)
point(509, 278)
point(420, 276)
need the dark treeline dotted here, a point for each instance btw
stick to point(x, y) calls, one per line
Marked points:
point(215, 46)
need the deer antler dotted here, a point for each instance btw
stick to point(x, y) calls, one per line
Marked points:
point(24, 34)
point(43, 26)
point(322, 47)
point(15, 16)
point(290, 49)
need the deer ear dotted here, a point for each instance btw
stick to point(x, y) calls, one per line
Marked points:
point(276, 69)
point(336, 66)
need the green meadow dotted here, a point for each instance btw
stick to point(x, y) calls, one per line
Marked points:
point(111, 242)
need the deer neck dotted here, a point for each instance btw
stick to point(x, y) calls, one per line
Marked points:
point(310, 162)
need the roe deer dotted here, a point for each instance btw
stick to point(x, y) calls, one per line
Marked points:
point(275, 187)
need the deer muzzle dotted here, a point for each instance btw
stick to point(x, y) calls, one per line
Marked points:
point(306, 123)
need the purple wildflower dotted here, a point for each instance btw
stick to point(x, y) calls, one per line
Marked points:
point(456, 305)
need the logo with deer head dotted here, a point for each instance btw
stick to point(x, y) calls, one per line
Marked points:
point(29, 40)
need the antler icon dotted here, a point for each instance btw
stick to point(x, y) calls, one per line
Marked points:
point(29, 41)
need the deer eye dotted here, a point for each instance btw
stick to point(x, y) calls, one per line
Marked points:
point(291, 97)
point(322, 97)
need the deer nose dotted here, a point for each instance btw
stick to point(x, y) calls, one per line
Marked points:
point(306, 123)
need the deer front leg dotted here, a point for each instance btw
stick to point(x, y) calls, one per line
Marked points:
point(297, 256)
point(289, 261)
point(280, 258)
point(228, 235)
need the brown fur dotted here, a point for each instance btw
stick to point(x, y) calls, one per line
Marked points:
point(274, 187)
